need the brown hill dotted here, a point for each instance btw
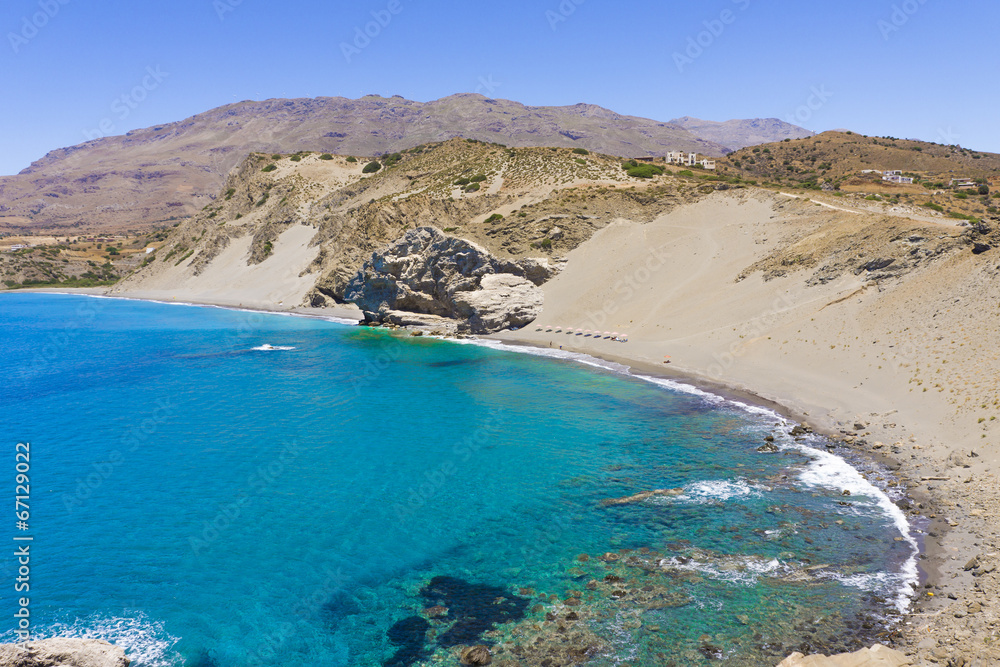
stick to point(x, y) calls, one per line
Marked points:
point(153, 176)
point(836, 157)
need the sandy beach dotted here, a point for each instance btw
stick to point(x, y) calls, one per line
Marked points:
point(748, 293)
point(901, 369)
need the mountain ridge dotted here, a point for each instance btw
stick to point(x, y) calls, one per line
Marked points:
point(154, 176)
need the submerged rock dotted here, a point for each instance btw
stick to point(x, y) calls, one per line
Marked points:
point(639, 497)
point(476, 655)
point(62, 651)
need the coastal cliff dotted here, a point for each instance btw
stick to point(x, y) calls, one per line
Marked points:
point(429, 272)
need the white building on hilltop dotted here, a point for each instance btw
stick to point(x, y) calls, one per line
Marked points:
point(896, 176)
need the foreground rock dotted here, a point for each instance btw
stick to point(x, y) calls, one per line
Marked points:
point(63, 652)
point(431, 273)
point(876, 656)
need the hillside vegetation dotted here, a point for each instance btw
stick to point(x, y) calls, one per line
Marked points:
point(515, 202)
point(835, 161)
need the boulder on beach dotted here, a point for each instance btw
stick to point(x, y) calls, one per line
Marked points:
point(63, 652)
point(876, 656)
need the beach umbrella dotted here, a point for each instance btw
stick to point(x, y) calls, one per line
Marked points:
point(615, 334)
point(586, 331)
point(607, 334)
point(579, 331)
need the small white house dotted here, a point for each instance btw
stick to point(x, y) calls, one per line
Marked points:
point(708, 164)
point(17, 246)
point(896, 176)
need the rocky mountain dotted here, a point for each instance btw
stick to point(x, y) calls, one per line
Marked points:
point(736, 134)
point(154, 176)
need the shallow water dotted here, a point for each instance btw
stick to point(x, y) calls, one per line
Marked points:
point(203, 502)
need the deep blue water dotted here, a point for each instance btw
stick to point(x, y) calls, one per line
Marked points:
point(205, 503)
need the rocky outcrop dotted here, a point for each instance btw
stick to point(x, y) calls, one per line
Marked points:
point(63, 652)
point(431, 273)
point(876, 656)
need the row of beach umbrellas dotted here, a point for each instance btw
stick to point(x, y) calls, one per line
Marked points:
point(581, 332)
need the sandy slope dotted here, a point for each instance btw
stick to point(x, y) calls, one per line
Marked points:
point(915, 360)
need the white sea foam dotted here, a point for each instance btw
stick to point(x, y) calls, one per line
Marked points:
point(825, 470)
point(273, 348)
point(742, 569)
point(718, 491)
point(145, 641)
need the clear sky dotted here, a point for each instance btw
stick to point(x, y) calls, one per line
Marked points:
point(921, 69)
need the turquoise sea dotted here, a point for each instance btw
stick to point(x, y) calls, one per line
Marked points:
point(225, 488)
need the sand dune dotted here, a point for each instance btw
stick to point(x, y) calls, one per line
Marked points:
point(913, 360)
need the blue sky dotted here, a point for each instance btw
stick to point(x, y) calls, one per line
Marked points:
point(908, 68)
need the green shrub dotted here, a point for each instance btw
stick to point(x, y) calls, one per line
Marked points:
point(934, 207)
point(961, 195)
point(581, 151)
point(371, 167)
point(629, 164)
point(325, 156)
point(393, 159)
point(262, 200)
point(472, 188)
point(351, 158)
point(268, 249)
point(275, 157)
point(494, 217)
point(478, 178)
point(645, 171)
point(296, 158)
point(580, 161)
point(229, 193)
point(462, 182)
point(448, 230)
point(270, 167)
point(984, 190)
point(546, 243)
point(685, 172)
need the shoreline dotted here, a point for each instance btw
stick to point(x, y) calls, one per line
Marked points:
point(931, 540)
